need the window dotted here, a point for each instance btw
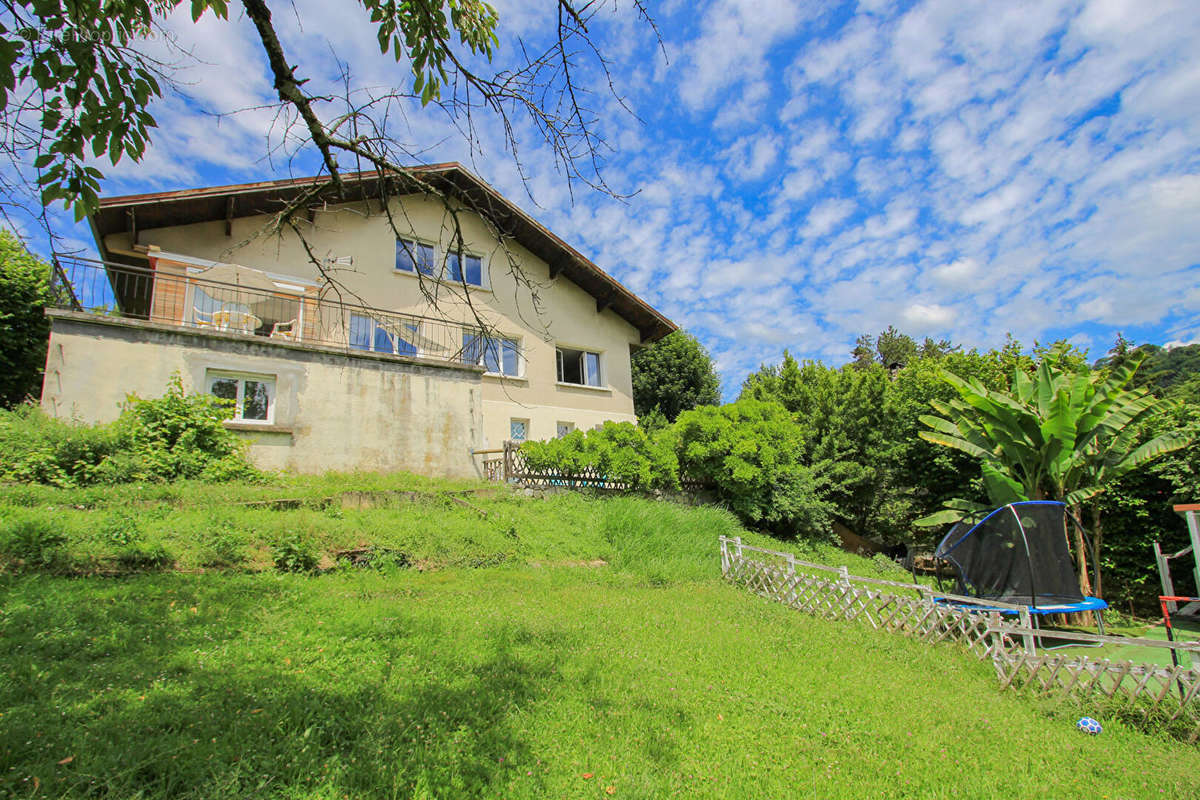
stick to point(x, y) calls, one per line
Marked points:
point(579, 366)
point(253, 396)
point(392, 336)
point(498, 356)
point(412, 255)
point(564, 428)
point(474, 269)
point(518, 430)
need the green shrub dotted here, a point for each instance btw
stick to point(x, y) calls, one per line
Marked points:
point(620, 451)
point(25, 291)
point(176, 436)
point(120, 529)
point(33, 541)
point(153, 557)
point(752, 453)
point(294, 554)
point(222, 543)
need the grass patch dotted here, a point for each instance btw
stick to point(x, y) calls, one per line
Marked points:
point(495, 669)
point(200, 526)
point(544, 682)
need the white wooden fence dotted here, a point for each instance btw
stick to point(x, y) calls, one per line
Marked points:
point(1159, 694)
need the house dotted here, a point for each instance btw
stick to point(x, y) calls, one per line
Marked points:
point(406, 335)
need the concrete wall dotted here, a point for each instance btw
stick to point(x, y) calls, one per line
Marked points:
point(360, 233)
point(333, 411)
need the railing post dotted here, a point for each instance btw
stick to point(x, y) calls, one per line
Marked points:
point(791, 571)
point(738, 540)
point(1027, 624)
point(844, 576)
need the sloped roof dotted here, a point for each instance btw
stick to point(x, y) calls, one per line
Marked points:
point(162, 209)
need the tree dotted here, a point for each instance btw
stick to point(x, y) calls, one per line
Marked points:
point(754, 455)
point(24, 294)
point(673, 375)
point(1066, 433)
point(894, 349)
point(847, 420)
point(75, 88)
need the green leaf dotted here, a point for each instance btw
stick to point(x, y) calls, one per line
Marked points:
point(944, 517)
point(1001, 487)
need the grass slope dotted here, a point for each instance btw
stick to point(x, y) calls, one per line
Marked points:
point(645, 678)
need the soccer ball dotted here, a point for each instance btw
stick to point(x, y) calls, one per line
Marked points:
point(1089, 725)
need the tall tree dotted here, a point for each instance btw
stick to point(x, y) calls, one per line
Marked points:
point(24, 294)
point(673, 375)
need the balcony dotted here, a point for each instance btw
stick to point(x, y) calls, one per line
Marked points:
point(240, 301)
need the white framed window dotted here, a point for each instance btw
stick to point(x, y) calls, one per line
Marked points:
point(564, 428)
point(414, 256)
point(397, 336)
point(468, 269)
point(253, 396)
point(582, 367)
point(498, 356)
point(518, 430)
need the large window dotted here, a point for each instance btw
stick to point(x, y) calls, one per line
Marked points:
point(581, 367)
point(469, 269)
point(413, 255)
point(253, 396)
point(391, 336)
point(497, 356)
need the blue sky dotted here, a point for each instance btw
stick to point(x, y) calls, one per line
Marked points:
point(806, 172)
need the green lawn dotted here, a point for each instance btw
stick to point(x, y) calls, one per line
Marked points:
point(646, 677)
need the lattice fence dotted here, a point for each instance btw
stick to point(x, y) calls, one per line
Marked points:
point(1160, 694)
point(516, 469)
point(836, 594)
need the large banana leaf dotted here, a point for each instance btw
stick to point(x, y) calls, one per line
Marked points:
point(1058, 431)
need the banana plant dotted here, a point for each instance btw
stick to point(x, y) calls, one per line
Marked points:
point(1059, 433)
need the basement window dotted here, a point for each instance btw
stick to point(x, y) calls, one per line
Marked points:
point(253, 396)
point(581, 367)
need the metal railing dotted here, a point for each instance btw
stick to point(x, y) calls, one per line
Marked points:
point(253, 304)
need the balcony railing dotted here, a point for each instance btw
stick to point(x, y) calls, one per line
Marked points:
point(253, 303)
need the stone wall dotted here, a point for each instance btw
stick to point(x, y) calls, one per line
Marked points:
point(333, 409)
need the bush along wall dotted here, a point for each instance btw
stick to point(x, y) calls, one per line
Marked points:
point(750, 453)
point(172, 437)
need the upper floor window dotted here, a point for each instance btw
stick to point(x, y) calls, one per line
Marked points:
point(579, 366)
point(497, 356)
point(253, 396)
point(470, 270)
point(393, 336)
point(413, 255)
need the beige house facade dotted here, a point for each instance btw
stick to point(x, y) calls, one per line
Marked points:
point(418, 327)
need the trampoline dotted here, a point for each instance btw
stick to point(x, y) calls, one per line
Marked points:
point(1019, 555)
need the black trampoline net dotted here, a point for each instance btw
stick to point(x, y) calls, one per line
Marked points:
point(1018, 554)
